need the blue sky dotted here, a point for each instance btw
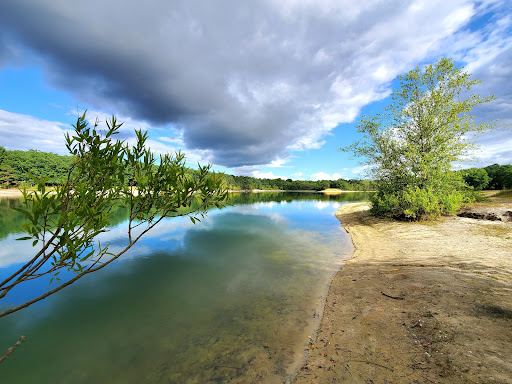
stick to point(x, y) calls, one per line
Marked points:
point(266, 89)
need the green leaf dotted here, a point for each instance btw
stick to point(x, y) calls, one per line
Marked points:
point(25, 212)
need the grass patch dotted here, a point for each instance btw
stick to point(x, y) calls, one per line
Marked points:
point(505, 194)
point(496, 230)
point(499, 196)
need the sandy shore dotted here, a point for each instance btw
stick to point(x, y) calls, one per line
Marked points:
point(10, 193)
point(418, 303)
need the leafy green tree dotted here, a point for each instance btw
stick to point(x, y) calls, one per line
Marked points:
point(7, 177)
point(500, 175)
point(322, 184)
point(494, 172)
point(507, 176)
point(6, 173)
point(65, 222)
point(21, 164)
point(410, 146)
point(2, 154)
point(476, 178)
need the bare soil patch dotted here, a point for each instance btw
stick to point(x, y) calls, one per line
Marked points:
point(418, 303)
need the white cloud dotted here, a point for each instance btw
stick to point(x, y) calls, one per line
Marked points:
point(320, 176)
point(278, 163)
point(23, 132)
point(173, 140)
point(361, 171)
point(495, 148)
point(326, 176)
point(266, 175)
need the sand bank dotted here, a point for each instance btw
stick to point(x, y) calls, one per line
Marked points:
point(10, 193)
point(417, 303)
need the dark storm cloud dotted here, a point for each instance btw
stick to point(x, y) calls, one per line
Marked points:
point(247, 81)
point(496, 76)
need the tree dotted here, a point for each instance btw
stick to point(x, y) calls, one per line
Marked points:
point(476, 178)
point(500, 175)
point(7, 176)
point(65, 222)
point(507, 176)
point(409, 147)
point(36, 163)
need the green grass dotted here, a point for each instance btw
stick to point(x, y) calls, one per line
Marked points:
point(503, 196)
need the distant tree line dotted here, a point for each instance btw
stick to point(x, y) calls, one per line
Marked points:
point(494, 177)
point(16, 166)
point(249, 183)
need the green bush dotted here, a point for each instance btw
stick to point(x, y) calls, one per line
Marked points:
point(414, 203)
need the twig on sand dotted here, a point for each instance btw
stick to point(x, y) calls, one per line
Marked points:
point(392, 297)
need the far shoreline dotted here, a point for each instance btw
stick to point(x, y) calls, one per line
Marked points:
point(12, 192)
point(325, 191)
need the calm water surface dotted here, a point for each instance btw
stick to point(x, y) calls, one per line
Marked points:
point(230, 300)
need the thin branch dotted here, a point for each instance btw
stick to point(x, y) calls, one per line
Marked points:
point(26, 265)
point(11, 350)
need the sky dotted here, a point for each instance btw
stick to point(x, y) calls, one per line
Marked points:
point(260, 88)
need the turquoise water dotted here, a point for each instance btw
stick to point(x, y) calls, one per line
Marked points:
point(230, 300)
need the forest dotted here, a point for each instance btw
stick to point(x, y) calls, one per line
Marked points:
point(495, 177)
point(16, 166)
point(249, 183)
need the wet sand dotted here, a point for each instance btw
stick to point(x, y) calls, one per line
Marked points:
point(427, 302)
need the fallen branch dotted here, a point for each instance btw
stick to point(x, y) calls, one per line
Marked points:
point(392, 297)
point(11, 350)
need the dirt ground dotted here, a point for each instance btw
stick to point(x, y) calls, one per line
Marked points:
point(418, 303)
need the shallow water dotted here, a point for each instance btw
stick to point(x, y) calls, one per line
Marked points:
point(230, 300)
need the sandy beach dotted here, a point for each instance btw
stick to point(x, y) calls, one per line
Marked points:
point(10, 193)
point(427, 302)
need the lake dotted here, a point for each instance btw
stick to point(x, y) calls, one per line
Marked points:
point(233, 299)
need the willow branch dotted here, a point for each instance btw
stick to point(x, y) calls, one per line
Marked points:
point(11, 350)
